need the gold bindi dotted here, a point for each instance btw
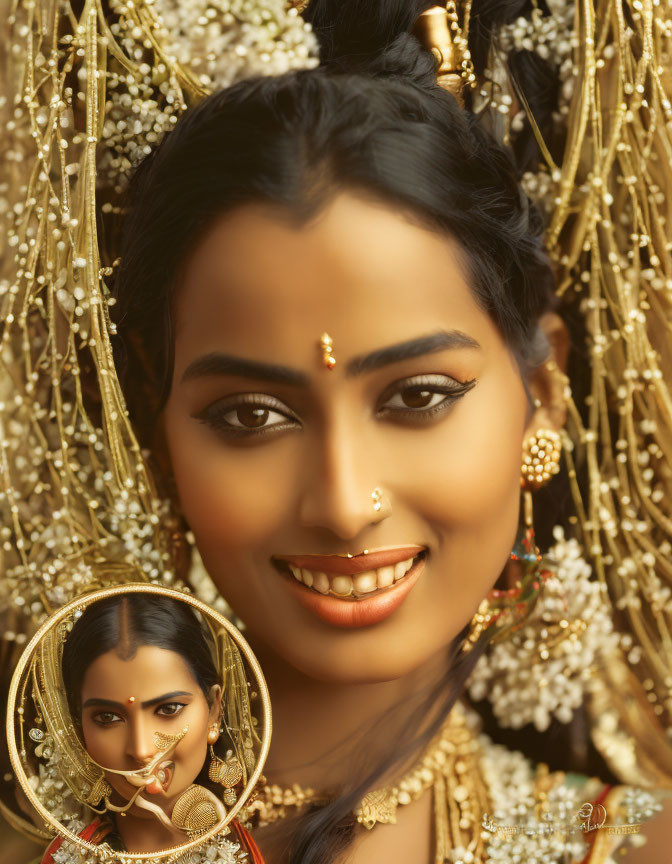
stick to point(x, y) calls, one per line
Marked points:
point(131, 700)
point(327, 349)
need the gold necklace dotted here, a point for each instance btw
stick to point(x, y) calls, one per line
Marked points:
point(450, 766)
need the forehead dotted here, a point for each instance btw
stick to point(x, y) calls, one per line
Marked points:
point(148, 672)
point(362, 270)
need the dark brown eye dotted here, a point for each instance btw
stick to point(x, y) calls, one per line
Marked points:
point(415, 398)
point(422, 397)
point(252, 416)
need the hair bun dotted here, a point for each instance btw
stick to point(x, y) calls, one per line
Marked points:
point(405, 56)
point(370, 37)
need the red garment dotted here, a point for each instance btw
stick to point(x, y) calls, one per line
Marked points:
point(87, 834)
point(90, 832)
point(590, 838)
point(247, 842)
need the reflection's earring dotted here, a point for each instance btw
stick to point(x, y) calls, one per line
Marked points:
point(228, 773)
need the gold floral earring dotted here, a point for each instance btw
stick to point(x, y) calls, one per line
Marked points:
point(503, 609)
point(527, 629)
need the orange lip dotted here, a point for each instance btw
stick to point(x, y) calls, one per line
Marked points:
point(363, 612)
point(356, 564)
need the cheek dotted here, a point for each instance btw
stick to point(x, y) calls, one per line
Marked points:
point(225, 491)
point(104, 746)
point(466, 474)
point(191, 753)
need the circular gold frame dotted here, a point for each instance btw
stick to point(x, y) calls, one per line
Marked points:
point(82, 602)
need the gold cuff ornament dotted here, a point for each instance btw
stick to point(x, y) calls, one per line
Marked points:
point(439, 30)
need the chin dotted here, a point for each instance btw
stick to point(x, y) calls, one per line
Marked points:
point(362, 657)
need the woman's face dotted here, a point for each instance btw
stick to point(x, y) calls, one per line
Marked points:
point(132, 708)
point(277, 458)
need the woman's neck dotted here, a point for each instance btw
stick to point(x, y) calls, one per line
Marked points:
point(318, 727)
point(144, 833)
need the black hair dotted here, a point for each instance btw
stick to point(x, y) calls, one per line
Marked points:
point(123, 624)
point(376, 124)
point(370, 119)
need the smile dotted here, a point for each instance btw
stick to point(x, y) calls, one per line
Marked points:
point(354, 591)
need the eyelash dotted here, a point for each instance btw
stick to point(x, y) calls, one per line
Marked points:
point(107, 723)
point(215, 415)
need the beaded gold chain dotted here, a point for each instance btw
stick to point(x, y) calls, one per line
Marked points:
point(449, 766)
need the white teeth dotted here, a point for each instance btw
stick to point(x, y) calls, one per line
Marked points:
point(341, 585)
point(385, 577)
point(400, 570)
point(365, 582)
point(321, 583)
point(344, 586)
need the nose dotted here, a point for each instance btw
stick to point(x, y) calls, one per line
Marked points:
point(341, 492)
point(139, 742)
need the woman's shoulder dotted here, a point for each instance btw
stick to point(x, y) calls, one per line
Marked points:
point(554, 816)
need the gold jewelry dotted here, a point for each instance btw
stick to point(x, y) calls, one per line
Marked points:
point(502, 611)
point(162, 741)
point(449, 766)
point(541, 458)
point(377, 497)
point(439, 30)
point(196, 811)
point(327, 349)
point(38, 675)
point(227, 772)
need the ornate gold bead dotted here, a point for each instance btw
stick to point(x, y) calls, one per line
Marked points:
point(541, 459)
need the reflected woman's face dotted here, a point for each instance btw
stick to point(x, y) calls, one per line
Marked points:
point(125, 703)
point(276, 457)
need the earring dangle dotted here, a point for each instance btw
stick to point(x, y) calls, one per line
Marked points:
point(562, 627)
point(503, 610)
point(227, 772)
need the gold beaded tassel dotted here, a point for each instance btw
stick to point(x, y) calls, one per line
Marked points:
point(460, 798)
point(610, 237)
point(74, 488)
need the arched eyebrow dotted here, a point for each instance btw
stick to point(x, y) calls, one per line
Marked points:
point(109, 703)
point(443, 340)
point(217, 364)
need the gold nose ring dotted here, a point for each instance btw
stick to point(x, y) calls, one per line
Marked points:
point(377, 497)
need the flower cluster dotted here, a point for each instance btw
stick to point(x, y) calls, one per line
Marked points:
point(544, 667)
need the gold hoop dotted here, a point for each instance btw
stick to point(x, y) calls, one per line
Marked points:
point(18, 681)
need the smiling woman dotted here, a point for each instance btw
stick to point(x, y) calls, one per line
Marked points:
point(356, 340)
point(323, 311)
